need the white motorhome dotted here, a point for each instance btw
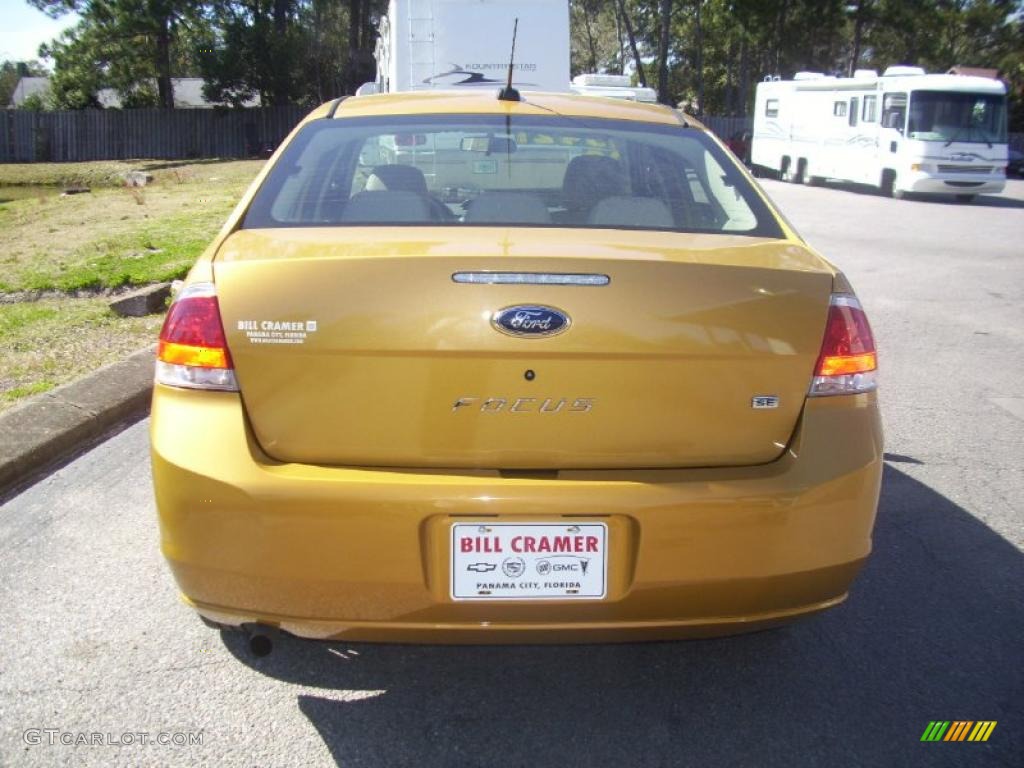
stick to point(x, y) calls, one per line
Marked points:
point(905, 131)
point(459, 44)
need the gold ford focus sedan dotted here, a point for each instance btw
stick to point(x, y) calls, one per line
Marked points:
point(462, 369)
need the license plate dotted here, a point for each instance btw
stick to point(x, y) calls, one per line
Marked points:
point(536, 561)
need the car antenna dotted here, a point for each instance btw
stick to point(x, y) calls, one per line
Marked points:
point(508, 93)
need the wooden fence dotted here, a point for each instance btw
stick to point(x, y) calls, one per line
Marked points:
point(115, 134)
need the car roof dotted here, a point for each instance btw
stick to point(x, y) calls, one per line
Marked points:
point(474, 102)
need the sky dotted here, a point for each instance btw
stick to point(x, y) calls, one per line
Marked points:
point(23, 28)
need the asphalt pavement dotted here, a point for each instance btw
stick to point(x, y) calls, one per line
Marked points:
point(96, 647)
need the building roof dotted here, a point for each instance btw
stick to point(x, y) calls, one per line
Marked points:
point(29, 86)
point(188, 93)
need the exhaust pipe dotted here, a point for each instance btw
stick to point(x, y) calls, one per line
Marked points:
point(260, 645)
point(260, 642)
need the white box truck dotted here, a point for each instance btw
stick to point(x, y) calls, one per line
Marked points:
point(905, 131)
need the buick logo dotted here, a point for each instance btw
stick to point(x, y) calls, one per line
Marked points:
point(530, 320)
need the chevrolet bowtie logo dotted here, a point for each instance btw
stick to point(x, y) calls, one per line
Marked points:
point(481, 567)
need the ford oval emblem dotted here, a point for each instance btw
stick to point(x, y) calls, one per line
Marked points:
point(530, 320)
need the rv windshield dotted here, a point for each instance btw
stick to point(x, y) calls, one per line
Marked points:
point(493, 170)
point(962, 117)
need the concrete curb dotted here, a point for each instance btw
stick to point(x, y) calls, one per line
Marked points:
point(52, 428)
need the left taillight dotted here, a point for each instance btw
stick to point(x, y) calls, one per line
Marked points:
point(193, 350)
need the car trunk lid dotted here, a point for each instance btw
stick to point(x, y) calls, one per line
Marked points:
point(355, 346)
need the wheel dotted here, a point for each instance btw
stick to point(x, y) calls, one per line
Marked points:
point(888, 185)
point(964, 198)
point(801, 171)
point(784, 174)
point(793, 177)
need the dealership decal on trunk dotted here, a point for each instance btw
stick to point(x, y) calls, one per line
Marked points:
point(530, 320)
point(277, 331)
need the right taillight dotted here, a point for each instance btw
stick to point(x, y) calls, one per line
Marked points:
point(193, 351)
point(848, 359)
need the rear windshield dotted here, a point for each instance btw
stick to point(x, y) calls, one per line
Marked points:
point(485, 170)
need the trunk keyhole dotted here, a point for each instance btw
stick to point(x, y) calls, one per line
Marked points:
point(529, 375)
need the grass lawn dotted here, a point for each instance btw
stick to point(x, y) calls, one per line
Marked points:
point(113, 236)
point(73, 250)
point(52, 341)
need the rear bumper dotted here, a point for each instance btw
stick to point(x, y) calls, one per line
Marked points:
point(328, 552)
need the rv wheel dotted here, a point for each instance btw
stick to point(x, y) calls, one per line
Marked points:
point(801, 171)
point(888, 185)
point(788, 174)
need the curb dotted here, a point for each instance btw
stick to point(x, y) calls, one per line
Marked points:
point(54, 427)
